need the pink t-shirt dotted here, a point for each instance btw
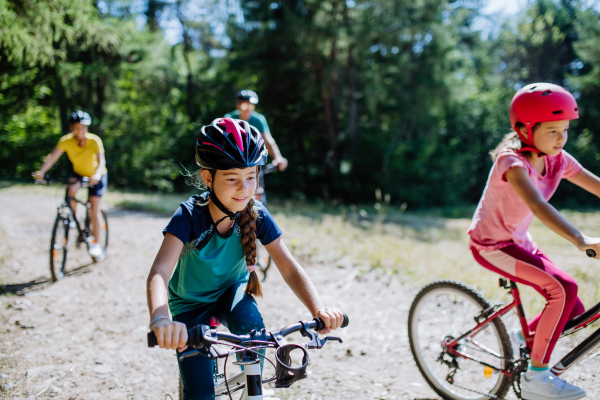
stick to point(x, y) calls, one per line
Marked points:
point(502, 218)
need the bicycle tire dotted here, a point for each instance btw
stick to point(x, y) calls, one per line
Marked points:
point(104, 230)
point(58, 248)
point(104, 239)
point(180, 388)
point(263, 260)
point(426, 335)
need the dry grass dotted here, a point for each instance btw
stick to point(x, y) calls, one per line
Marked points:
point(416, 248)
point(420, 249)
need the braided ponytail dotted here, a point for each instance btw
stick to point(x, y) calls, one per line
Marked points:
point(248, 228)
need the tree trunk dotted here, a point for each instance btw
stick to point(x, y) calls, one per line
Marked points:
point(187, 48)
point(352, 106)
point(61, 98)
point(99, 106)
point(154, 7)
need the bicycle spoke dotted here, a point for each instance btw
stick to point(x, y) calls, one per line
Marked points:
point(443, 314)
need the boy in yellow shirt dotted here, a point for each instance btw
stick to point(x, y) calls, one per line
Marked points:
point(86, 153)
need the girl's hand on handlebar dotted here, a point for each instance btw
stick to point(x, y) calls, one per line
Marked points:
point(332, 317)
point(590, 243)
point(170, 335)
point(281, 163)
point(38, 176)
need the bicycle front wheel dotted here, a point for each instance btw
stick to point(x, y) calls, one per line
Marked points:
point(103, 240)
point(443, 311)
point(104, 231)
point(58, 248)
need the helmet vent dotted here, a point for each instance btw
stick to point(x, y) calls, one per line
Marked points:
point(557, 112)
point(546, 93)
point(575, 108)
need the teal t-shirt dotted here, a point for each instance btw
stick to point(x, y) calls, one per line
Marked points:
point(209, 263)
point(257, 120)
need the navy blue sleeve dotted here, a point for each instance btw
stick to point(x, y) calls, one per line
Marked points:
point(266, 228)
point(181, 223)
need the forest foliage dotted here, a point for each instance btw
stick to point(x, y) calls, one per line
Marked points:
point(402, 98)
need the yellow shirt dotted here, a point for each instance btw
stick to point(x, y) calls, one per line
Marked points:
point(84, 159)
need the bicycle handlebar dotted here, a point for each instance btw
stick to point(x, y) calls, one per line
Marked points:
point(201, 335)
point(590, 253)
point(268, 168)
point(85, 181)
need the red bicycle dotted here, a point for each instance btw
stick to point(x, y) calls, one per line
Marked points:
point(461, 346)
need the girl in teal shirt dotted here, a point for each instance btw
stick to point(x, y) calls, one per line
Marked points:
point(205, 265)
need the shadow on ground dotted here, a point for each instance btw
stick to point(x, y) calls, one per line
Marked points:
point(42, 282)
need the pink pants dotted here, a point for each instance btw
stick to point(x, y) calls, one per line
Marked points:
point(557, 287)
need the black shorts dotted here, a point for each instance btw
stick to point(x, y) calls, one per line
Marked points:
point(97, 190)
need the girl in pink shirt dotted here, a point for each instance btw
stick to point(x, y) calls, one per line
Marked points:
point(528, 166)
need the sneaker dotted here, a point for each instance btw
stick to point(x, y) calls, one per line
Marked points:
point(516, 341)
point(545, 385)
point(96, 251)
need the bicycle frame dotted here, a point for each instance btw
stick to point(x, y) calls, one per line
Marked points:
point(567, 362)
point(67, 203)
point(250, 377)
point(249, 380)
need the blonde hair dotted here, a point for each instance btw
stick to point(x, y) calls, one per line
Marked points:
point(512, 141)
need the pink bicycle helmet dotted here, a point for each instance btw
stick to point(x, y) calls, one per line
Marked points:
point(540, 102)
point(230, 143)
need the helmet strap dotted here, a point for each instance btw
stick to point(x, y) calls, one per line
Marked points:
point(228, 213)
point(527, 142)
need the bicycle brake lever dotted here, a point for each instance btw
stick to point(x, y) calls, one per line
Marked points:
point(188, 353)
point(213, 353)
point(338, 339)
point(315, 341)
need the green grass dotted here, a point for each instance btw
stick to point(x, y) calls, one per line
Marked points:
point(416, 247)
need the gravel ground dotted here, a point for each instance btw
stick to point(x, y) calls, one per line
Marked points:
point(84, 337)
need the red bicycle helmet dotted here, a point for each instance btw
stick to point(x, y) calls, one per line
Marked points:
point(540, 102)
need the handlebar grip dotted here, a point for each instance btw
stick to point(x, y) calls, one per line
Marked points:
point(590, 253)
point(321, 324)
point(152, 339)
point(194, 338)
point(346, 321)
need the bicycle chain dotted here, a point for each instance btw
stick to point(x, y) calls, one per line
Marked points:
point(476, 391)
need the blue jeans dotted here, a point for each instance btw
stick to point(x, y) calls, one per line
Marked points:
point(238, 311)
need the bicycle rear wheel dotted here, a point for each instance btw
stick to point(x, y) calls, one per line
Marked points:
point(263, 260)
point(58, 248)
point(444, 310)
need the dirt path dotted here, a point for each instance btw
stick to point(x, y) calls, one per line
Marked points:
point(84, 337)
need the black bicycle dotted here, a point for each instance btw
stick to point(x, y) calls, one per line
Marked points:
point(461, 346)
point(65, 221)
point(204, 340)
point(263, 259)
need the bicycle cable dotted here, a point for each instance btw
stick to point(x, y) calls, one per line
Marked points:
point(242, 349)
